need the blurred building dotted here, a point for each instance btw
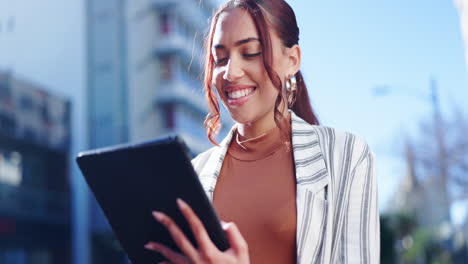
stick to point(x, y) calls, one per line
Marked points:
point(34, 182)
point(107, 90)
point(165, 48)
point(107, 119)
point(144, 67)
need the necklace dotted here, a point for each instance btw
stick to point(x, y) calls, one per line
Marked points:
point(247, 140)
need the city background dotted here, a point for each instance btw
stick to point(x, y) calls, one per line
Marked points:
point(82, 74)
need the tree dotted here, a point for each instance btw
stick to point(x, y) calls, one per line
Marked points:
point(441, 154)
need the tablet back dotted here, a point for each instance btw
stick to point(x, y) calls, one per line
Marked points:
point(130, 181)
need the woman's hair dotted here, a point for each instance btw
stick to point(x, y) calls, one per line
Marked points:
point(279, 16)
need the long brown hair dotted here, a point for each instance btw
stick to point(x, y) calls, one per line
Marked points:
point(278, 15)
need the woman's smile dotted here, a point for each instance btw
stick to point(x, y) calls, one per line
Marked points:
point(239, 94)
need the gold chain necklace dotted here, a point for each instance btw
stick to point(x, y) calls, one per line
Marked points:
point(247, 140)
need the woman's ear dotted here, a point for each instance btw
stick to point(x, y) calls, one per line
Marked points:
point(294, 59)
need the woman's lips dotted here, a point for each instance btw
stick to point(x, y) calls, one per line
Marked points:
point(241, 96)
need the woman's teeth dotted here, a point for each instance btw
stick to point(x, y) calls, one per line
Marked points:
point(239, 93)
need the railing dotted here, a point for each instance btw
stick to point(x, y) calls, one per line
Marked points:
point(172, 43)
point(180, 92)
point(190, 10)
point(33, 204)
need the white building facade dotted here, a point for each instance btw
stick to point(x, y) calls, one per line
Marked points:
point(165, 48)
point(462, 6)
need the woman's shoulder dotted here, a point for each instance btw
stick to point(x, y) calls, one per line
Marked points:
point(337, 147)
point(342, 149)
point(329, 139)
point(201, 159)
point(338, 138)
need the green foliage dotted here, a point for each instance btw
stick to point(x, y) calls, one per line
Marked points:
point(421, 242)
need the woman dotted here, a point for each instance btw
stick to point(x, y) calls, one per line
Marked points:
point(292, 191)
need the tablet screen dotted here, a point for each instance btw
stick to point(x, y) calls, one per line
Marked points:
point(131, 181)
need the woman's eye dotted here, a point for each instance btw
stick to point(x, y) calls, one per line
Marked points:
point(220, 61)
point(251, 55)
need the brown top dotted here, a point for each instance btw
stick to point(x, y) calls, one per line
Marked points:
point(256, 189)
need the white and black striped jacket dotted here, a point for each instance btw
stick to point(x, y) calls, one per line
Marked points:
point(337, 210)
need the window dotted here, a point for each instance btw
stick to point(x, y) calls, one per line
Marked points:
point(5, 93)
point(10, 168)
point(167, 67)
point(164, 22)
point(7, 124)
point(169, 111)
point(13, 255)
point(26, 103)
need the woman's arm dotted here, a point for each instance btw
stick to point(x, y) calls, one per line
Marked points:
point(362, 228)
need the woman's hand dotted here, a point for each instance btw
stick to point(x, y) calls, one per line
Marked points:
point(207, 253)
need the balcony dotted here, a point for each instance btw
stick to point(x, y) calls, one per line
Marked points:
point(173, 43)
point(33, 204)
point(176, 43)
point(186, 9)
point(182, 90)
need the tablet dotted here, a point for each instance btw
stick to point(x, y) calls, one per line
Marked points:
point(131, 181)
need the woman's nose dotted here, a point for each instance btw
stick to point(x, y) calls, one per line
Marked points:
point(233, 71)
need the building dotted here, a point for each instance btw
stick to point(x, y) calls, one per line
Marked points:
point(165, 49)
point(35, 215)
point(144, 62)
point(462, 6)
point(106, 116)
point(107, 91)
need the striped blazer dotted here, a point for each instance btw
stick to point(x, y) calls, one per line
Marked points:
point(336, 193)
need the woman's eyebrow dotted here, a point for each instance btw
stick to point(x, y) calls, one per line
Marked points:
point(238, 43)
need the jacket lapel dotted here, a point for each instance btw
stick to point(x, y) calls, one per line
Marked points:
point(311, 179)
point(209, 175)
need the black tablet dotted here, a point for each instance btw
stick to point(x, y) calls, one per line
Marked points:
point(131, 181)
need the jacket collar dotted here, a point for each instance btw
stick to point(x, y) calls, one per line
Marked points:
point(311, 172)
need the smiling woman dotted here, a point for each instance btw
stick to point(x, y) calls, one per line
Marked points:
point(269, 54)
point(291, 190)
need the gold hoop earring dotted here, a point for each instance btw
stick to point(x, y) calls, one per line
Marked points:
point(291, 90)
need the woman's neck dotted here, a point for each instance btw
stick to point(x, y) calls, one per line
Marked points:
point(257, 128)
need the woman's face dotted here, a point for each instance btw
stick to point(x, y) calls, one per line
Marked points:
point(239, 74)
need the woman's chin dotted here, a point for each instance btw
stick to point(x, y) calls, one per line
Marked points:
point(242, 118)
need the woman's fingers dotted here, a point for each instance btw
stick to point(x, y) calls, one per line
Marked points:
point(179, 238)
point(207, 251)
point(168, 253)
point(235, 238)
point(201, 236)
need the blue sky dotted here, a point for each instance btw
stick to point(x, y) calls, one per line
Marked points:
point(349, 47)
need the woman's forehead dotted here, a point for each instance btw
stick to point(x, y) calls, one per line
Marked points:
point(234, 25)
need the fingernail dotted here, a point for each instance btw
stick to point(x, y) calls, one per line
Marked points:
point(149, 246)
point(225, 225)
point(158, 215)
point(181, 203)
